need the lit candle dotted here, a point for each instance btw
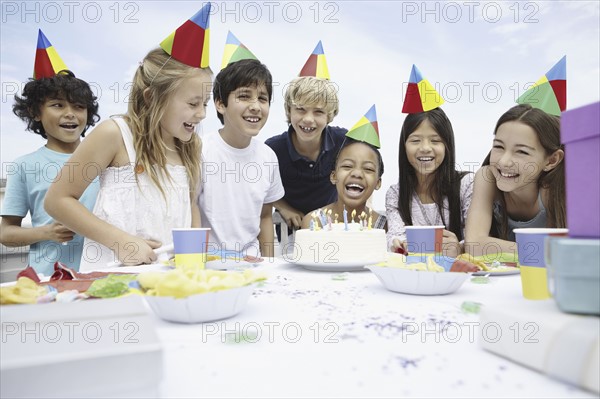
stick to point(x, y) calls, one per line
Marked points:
point(312, 224)
point(370, 218)
point(335, 219)
point(345, 218)
point(363, 220)
point(353, 215)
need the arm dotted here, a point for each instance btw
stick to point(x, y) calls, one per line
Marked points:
point(196, 218)
point(291, 215)
point(12, 234)
point(267, 232)
point(479, 219)
point(102, 148)
point(396, 233)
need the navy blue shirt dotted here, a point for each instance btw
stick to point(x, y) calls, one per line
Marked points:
point(306, 182)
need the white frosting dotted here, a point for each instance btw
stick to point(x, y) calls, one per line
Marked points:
point(340, 246)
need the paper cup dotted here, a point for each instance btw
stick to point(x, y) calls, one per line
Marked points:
point(190, 246)
point(530, 246)
point(423, 241)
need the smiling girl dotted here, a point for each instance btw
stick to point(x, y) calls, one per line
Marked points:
point(148, 161)
point(430, 191)
point(357, 173)
point(522, 182)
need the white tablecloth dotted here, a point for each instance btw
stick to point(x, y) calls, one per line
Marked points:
point(312, 334)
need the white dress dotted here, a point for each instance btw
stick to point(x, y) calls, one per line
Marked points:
point(137, 206)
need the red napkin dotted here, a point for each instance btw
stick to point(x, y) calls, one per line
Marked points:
point(30, 273)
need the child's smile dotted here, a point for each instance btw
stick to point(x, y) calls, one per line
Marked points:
point(356, 174)
point(517, 157)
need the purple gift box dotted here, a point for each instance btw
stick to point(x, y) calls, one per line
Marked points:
point(580, 133)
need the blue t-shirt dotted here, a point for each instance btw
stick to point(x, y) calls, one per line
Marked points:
point(306, 182)
point(28, 180)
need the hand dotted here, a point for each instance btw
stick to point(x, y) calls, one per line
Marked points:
point(58, 232)
point(450, 244)
point(137, 251)
point(292, 217)
point(399, 247)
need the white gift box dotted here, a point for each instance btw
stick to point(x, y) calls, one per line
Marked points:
point(538, 335)
point(93, 348)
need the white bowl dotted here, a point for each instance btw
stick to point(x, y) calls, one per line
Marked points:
point(201, 308)
point(418, 282)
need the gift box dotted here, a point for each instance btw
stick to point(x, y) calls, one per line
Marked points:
point(580, 133)
point(537, 335)
point(573, 266)
point(93, 348)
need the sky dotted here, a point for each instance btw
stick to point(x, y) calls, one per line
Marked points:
point(480, 55)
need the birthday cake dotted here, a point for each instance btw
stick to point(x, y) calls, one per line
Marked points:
point(340, 244)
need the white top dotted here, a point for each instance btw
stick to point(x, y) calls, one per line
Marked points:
point(236, 183)
point(137, 206)
point(424, 214)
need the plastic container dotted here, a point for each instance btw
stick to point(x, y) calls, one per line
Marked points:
point(580, 133)
point(573, 267)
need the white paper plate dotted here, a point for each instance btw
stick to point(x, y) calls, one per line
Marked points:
point(500, 271)
point(331, 267)
point(419, 282)
point(229, 264)
point(201, 308)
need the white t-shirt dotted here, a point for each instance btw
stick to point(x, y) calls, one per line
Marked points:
point(424, 214)
point(235, 185)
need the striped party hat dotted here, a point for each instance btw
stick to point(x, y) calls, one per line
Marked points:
point(189, 44)
point(316, 65)
point(549, 93)
point(420, 96)
point(235, 51)
point(47, 61)
point(366, 129)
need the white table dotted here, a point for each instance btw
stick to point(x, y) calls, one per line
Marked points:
point(311, 335)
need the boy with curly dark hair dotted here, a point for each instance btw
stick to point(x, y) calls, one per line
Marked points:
point(60, 108)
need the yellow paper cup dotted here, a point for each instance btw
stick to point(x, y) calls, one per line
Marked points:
point(190, 247)
point(530, 244)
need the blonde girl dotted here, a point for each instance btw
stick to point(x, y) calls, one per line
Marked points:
point(148, 161)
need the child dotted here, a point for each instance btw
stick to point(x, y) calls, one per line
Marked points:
point(240, 179)
point(429, 191)
point(307, 150)
point(148, 161)
point(522, 183)
point(357, 173)
point(60, 108)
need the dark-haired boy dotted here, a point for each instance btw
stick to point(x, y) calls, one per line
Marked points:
point(59, 108)
point(240, 175)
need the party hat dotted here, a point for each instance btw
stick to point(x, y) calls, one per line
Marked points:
point(550, 92)
point(190, 42)
point(235, 51)
point(420, 96)
point(47, 61)
point(366, 129)
point(316, 65)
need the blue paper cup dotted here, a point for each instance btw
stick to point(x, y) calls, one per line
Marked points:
point(530, 246)
point(424, 241)
point(190, 246)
